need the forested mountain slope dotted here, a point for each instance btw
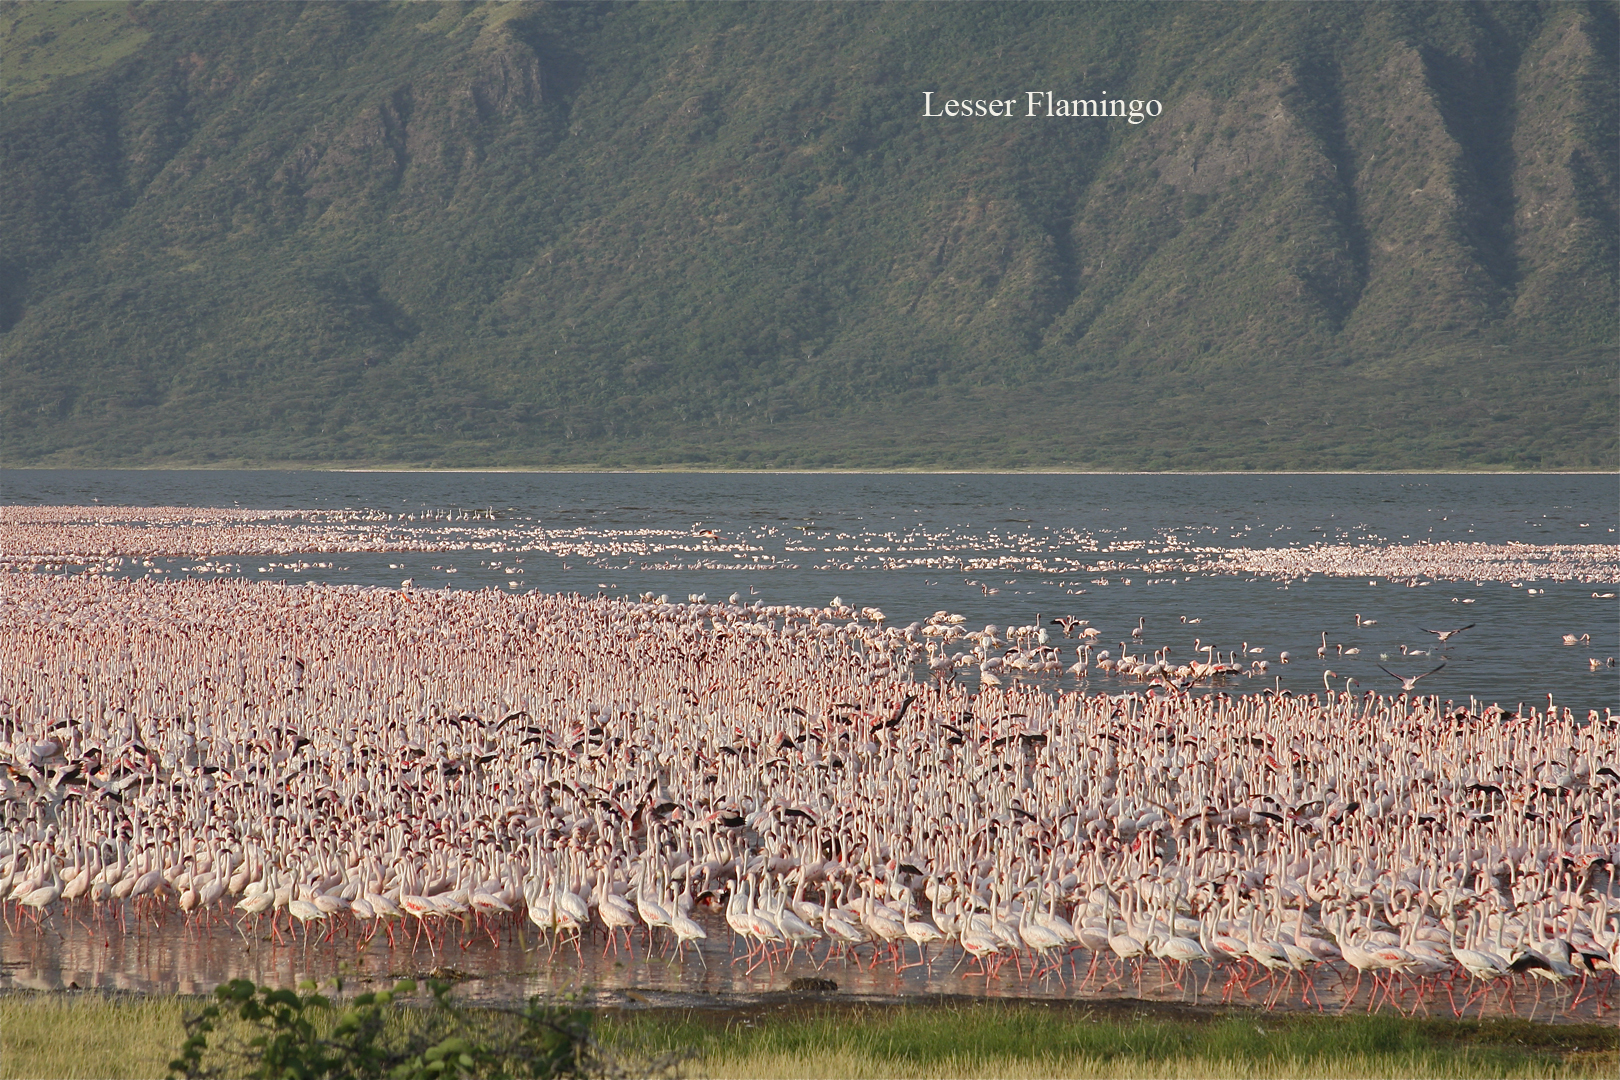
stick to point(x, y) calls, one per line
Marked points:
point(1357, 236)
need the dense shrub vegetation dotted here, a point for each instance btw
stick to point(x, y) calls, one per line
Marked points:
point(287, 1035)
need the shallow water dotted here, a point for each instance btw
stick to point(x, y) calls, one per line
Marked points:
point(1001, 549)
point(170, 957)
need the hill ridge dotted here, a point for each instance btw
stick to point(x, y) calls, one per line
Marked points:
point(1376, 236)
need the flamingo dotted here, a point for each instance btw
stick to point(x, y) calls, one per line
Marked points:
point(41, 898)
point(686, 931)
point(1409, 683)
point(616, 914)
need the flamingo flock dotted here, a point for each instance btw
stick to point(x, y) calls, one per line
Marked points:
point(124, 539)
point(814, 782)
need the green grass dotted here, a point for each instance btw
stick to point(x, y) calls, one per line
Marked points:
point(1035, 1041)
point(56, 1036)
point(43, 1035)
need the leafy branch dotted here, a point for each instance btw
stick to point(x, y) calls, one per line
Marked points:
point(303, 1036)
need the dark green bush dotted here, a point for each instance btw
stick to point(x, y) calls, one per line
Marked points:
point(305, 1036)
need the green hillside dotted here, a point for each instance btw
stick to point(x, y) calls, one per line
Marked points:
point(1358, 235)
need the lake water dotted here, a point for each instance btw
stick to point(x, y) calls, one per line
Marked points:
point(511, 964)
point(1000, 549)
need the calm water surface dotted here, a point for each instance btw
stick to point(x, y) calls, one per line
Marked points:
point(511, 965)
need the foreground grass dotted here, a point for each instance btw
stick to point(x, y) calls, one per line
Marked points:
point(1020, 1040)
point(56, 1036)
point(47, 1035)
